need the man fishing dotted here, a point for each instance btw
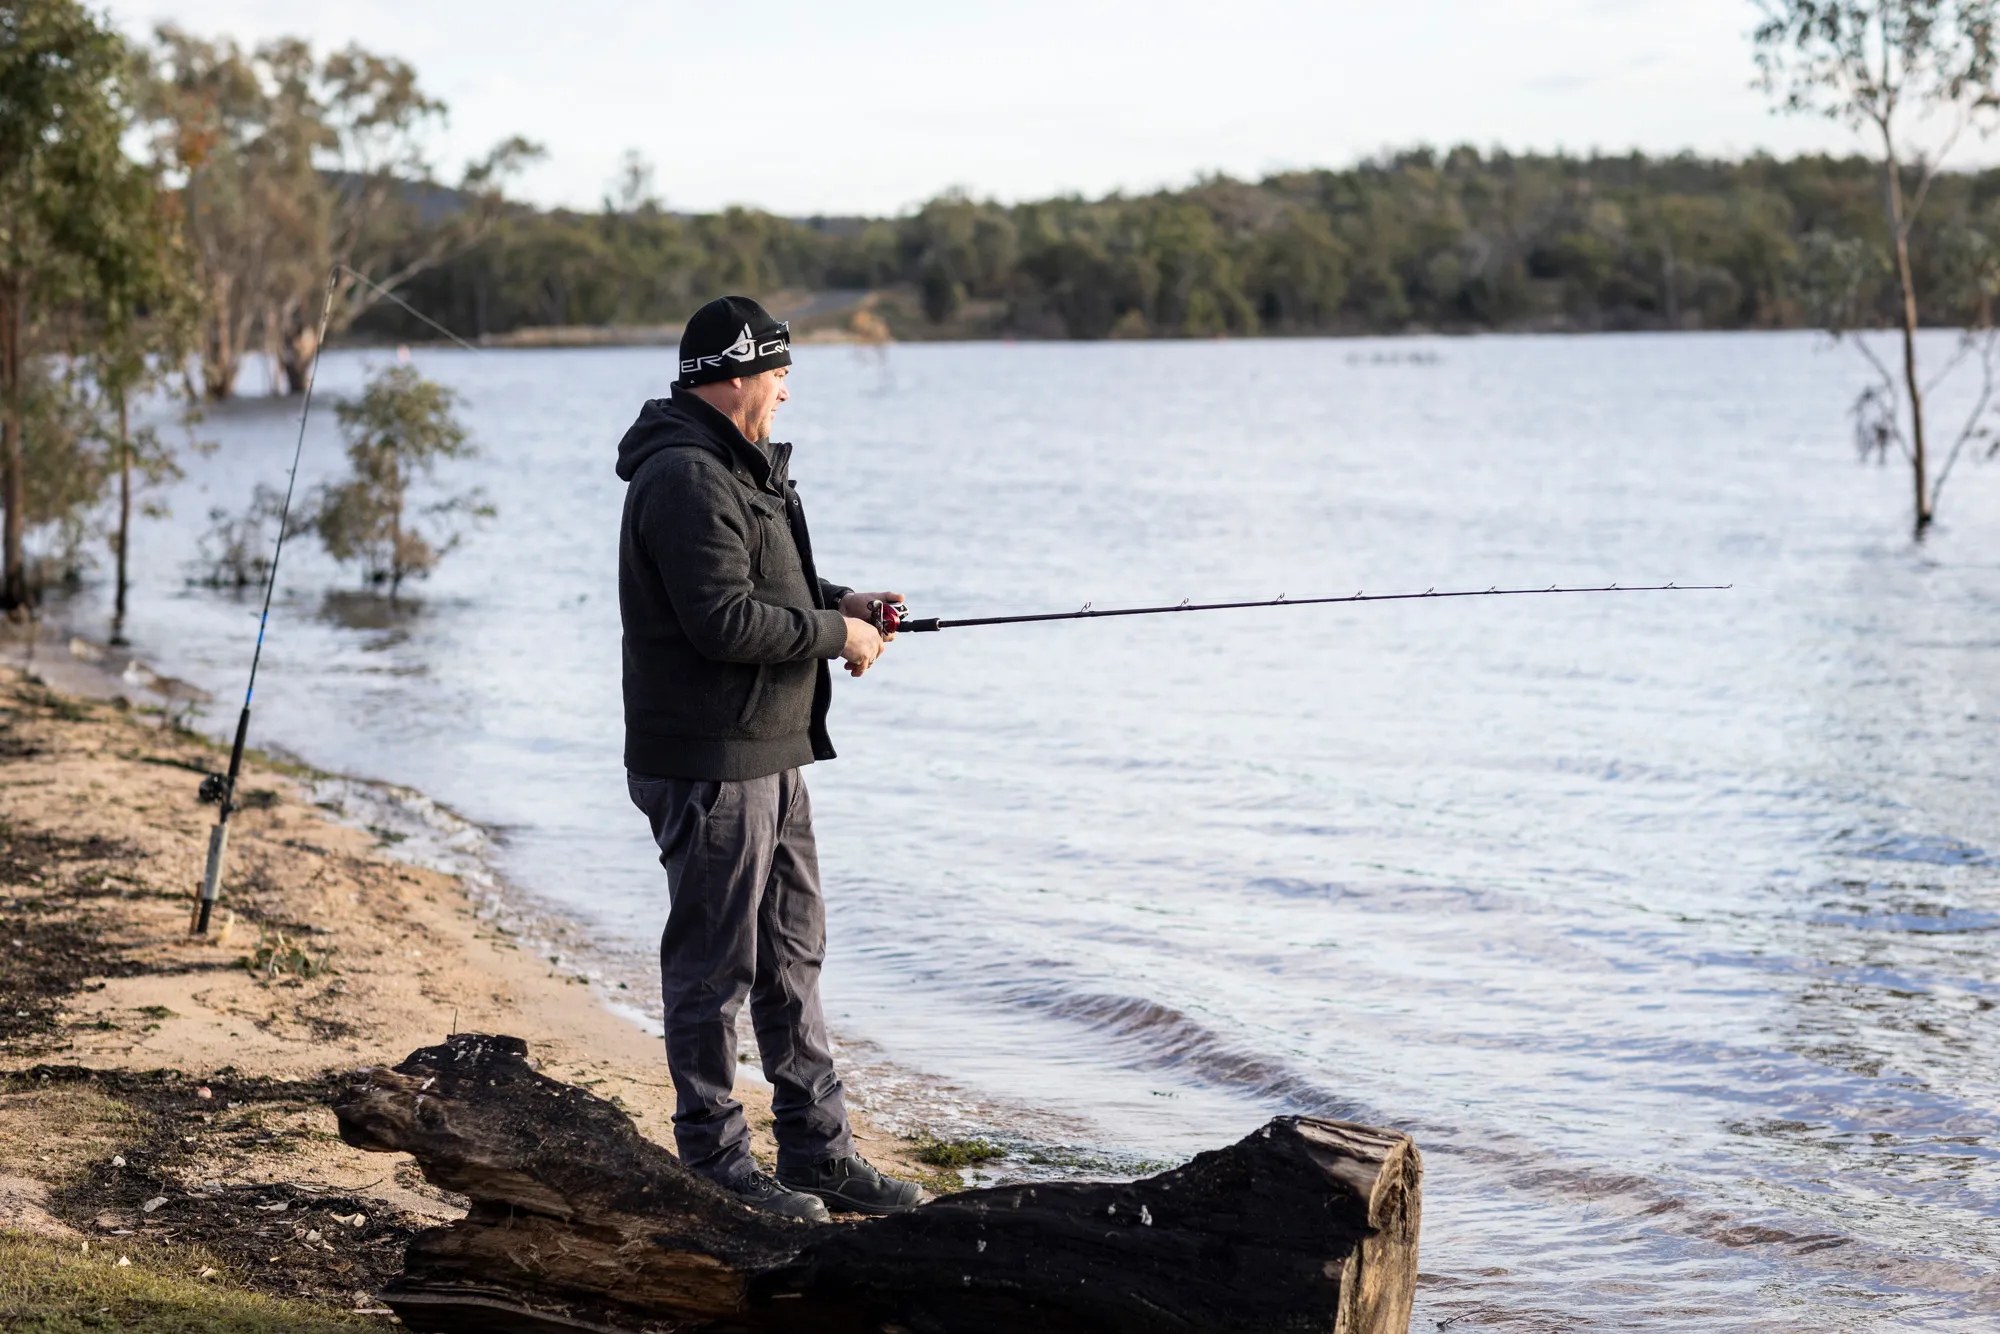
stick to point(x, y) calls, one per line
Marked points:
point(728, 630)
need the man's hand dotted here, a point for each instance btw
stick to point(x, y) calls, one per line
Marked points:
point(855, 605)
point(864, 644)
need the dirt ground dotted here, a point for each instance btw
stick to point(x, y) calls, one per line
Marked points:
point(164, 1097)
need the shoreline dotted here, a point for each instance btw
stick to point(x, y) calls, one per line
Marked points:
point(138, 1064)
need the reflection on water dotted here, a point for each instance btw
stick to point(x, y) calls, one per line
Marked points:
point(388, 618)
point(1665, 923)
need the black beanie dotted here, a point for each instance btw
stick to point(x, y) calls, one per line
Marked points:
point(732, 336)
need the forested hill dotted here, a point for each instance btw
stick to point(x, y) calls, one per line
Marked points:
point(1419, 240)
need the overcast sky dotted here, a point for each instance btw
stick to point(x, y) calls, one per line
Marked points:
point(873, 107)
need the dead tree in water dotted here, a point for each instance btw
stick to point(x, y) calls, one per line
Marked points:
point(577, 1222)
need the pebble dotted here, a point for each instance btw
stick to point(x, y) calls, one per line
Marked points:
point(117, 1162)
point(152, 1204)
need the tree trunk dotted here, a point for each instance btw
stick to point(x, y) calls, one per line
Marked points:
point(577, 1222)
point(1899, 229)
point(296, 350)
point(221, 349)
point(13, 467)
point(124, 516)
point(396, 537)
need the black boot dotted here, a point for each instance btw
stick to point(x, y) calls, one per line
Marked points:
point(850, 1184)
point(760, 1191)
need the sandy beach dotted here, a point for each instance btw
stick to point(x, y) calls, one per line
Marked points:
point(163, 1127)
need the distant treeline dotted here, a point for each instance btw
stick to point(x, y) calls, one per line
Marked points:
point(1421, 239)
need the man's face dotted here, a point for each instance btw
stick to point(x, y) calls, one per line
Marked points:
point(761, 396)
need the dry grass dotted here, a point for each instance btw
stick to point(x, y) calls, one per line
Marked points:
point(55, 1287)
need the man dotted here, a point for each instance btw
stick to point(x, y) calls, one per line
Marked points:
point(728, 630)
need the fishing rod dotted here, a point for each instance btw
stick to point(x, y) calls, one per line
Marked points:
point(221, 788)
point(894, 617)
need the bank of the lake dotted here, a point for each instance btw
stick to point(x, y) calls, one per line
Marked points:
point(163, 1098)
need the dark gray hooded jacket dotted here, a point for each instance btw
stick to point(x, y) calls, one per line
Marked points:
point(728, 627)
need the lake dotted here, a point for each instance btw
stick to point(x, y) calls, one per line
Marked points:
point(1664, 922)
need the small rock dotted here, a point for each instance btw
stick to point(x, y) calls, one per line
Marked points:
point(313, 1235)
point(152, 1204)
point(203, 1092)
point(276, 1208)
point(124, 1262)
point(208, 1271)
point(117, 1161)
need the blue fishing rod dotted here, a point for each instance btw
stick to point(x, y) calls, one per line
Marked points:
point(221, 788)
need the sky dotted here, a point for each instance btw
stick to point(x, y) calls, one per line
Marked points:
point(874, 106)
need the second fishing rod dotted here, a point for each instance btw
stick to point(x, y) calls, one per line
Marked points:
point(221, 788)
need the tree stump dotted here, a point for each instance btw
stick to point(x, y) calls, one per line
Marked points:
point(578, 1223)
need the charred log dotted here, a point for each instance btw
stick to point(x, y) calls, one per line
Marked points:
point(580, 1223)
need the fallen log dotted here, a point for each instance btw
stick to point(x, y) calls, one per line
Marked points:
point(578, 1222)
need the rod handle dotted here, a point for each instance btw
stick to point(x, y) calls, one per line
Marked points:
point(211, 879)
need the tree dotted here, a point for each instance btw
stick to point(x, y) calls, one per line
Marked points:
point(1885, 68)
point(64, 468)
point(130, 360)
point(292, 166)
point(401, 427)
point(73, 212)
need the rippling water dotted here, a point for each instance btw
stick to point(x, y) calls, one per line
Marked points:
point(1663, 922)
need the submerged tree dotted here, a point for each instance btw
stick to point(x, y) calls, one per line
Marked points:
point(236, 550)
point(400, 428)
point(1889, 68)
point(294, 166)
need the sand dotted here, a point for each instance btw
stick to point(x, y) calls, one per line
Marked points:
point(207, 1061)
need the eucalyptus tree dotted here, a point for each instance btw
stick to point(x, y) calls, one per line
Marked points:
point(1892, 70)
point(75, 215)
point(292, 166)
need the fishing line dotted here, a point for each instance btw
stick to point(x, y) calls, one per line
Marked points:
point(386, 294)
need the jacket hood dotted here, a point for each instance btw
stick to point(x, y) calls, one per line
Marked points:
point(684, 419)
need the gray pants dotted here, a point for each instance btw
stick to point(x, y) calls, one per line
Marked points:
point(747, 919)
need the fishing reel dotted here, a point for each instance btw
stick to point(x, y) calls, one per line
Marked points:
point(887, 617)
point(213, 787)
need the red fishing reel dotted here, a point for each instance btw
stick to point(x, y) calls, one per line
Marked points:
point(886, 617)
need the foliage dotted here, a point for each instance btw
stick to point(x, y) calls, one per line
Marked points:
point(292, 168)
point(401, 427)
point(65, 466)
point(236, 549)
point(78, 220)
point(1417, 240)
point(1885, 67)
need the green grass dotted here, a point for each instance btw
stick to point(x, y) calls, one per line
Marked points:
point(50, 1287)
